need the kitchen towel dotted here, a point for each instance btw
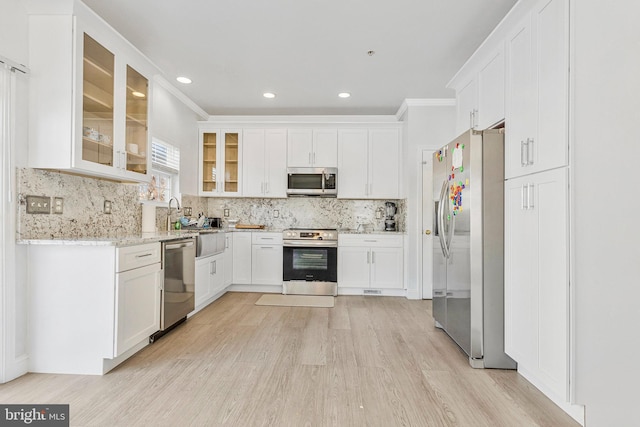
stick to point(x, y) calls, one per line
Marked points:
point(148, 218)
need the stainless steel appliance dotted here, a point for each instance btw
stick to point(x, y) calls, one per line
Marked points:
point(322, 182)
point(468, 277)
point(390, 218)
point(310, 262)
point(178, 300)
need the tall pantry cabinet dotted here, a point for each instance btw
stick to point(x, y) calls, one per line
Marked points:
point(537, 297)
point(533, 44)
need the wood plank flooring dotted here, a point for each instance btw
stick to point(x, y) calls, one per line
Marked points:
point(370, 361)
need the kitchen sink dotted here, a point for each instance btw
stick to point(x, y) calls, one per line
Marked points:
point(210, 242)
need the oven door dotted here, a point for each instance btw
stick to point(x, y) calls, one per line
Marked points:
point(310, 263)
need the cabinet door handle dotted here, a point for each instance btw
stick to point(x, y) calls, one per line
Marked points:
point(310, 158)
point(373, 257)
point(211, 269)
point(523, 198)
point(529, 151)
point(368, 257)
point(530, 196)
point(314, 157)
point(523, 153)
point(471, 119)
point(266, 188)
point(262, 188)
point(226, 243)
point(366, 189)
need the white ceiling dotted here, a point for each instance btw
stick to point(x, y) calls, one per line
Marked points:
point(306, 51)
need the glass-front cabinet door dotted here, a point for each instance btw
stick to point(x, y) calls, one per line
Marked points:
point(209, 162)
point(231, 165)
point(97, 103)
point(220, 165)
point(136, 133)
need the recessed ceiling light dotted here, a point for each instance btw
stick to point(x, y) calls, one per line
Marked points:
point(185, 80)
point(138, 94)
point(344, 94)
point(269, 95)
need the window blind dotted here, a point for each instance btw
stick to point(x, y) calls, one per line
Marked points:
point(165, 157)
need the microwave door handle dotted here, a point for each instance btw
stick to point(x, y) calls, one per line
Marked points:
point(323, 181)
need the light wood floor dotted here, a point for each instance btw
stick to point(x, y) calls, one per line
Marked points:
point(370, 361)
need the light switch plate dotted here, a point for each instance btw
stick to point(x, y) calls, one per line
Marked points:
point(226, 213)
point(187, 211)
point(107, 206)
point(38, 205)
point(276, 213)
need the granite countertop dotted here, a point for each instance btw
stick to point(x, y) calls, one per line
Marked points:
point(353, 231)
point(138, 239)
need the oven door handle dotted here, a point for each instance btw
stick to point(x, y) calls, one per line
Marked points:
point(311, 243)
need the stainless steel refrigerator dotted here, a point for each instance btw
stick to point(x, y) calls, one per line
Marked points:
point(468, 253)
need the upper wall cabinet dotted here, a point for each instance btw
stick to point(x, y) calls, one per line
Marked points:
point(89, 98)
point(316, 148)
point(369, 163)
point(537, 91)
point(480, 97)
point(264, 161)
point(220, 168)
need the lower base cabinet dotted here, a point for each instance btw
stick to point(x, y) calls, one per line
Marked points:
point(91, 307)
point(537, 279)
point(266, 258)
point(370, 261)
point(210, 274)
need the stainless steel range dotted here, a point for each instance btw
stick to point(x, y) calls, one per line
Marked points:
point(310, 262)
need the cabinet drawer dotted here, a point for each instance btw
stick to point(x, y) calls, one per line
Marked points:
point(370, 240)
point(259, 238)
point(130, 257)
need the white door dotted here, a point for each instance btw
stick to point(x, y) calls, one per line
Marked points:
point(242, 258)
point(352, 163)
point(384, 161)
point(353, 267)
point(466, 107)
point(325, 148)
point(299, 148)
point(266, 265)
point(275, 153)
point(253, 159)
point(427, 224)
point(386, 268)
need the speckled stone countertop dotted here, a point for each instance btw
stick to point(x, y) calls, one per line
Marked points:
point(351, 231)
point(135, 239)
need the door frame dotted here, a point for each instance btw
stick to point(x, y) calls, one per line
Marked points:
point(426, 169)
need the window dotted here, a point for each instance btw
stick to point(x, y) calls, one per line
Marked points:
point(165, 169)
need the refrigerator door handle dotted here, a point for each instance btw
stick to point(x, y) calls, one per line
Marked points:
point(440, 219)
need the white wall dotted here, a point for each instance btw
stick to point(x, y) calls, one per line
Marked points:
point(175, 123)
point(426, 127)
point(606, 201)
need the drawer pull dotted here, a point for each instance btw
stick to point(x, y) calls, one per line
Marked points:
point(144, 255)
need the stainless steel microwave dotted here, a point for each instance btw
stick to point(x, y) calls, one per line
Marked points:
point(322, 182)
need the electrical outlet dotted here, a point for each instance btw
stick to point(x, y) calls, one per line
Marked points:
point(38, 204)
point(276, 213)
point(107, 206)
point(186, 211)
point(226, 213)
point(58, 203)
point(378, 214)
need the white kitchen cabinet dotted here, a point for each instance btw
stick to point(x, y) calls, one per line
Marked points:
point(241, 257)
point(370, 261)
point(312, 148)
point(228, 259)
point(89, 97)
point(537, 90)
point(137, 307)
point(210, 279)
point(369, 163)
point(466, 106)
point(266, 258)
point(264, 161)
point(91, 306)
point(220, 166)
point(480, 98)
point(537, 279)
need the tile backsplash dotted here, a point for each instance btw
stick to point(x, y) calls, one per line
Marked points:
point(83, 214)
point(307, 212)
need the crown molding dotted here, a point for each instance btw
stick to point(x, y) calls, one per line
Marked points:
point(181, 96)
point(426, 102)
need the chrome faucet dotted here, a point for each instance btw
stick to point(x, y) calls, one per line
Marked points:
point(169, 212)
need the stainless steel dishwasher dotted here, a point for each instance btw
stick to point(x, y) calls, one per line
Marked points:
point(178, 264)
